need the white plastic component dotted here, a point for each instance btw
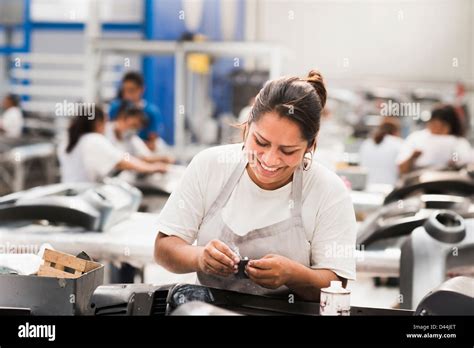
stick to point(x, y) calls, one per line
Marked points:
point(335, 300)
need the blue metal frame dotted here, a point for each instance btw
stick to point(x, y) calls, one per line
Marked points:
point(28, 26)
point(158, 71)
point(81, 26)
point(147, 64)
point(161, 23)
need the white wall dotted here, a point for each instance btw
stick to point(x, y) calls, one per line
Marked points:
point(389, 39)
point(77, 10)
point(72, 41)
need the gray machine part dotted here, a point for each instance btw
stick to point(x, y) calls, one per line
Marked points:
point(50, 296)
point(142, 299)
point(130, 299)
point(445, 242)
point(96, 207)
point(450, 181)
point(454, 297)
point(398, 219)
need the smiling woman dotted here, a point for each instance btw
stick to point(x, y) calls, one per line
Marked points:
point(283, 125)
point(269, 204)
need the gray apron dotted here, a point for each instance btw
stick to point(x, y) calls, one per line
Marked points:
point(285, 238)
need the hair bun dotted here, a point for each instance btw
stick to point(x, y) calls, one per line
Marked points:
point(316, 80)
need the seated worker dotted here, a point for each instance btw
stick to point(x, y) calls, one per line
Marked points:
point(379, 153)
point(11, 121)
point(265, 199)
point(440, 144)
point(131, 90)
point(123, 134)
point(88, 156)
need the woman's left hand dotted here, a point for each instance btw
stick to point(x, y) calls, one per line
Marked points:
point(271, 271)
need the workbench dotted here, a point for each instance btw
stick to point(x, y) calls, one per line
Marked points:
point(133, 240)
point(15, 157)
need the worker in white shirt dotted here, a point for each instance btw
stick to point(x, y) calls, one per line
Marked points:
point(379, 153)
point(265, 200)
point(11, 121)
point(123, 134)
point(88, 156)
point(440, 144)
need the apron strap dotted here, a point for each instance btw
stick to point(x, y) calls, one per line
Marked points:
point(228, 188)
point(297, 192)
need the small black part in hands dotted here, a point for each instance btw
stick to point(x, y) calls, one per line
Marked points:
point(241, 269)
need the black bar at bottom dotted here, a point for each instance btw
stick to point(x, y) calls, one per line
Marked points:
point(452, 331)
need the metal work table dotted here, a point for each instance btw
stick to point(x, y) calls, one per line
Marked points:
point(133, 241)
point(16, 154)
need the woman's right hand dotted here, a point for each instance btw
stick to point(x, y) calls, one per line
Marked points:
point(216, 258)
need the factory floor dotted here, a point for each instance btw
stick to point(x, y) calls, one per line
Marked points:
point(364, 293)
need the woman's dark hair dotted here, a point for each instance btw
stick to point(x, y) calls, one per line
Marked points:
point(83, 124)
point(384, 129)
point(14, 99)
point(187, 36)
point(301, 100)
point(135, 77)
point(127, 110)
point(447, 114)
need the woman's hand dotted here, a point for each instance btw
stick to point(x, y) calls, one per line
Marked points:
point(217, 258)
point(271, 271)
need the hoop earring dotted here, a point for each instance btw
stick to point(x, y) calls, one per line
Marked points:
point(307, 161)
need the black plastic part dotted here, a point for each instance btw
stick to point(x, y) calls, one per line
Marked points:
point(57, 214)
point(446, 303)
point(453, 297)
point(143, 299)
point(241, 274)
point(130, 300)
point(451, 181)
point(446, 226)
point(247, 304)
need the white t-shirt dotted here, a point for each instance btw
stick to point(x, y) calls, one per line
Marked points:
point(381, 159)
point(92, 159)
point(133, 145)
point(437, 150)
point(327, 211)
point(12, 122)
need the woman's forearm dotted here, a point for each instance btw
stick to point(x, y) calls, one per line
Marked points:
point(307, 283)
point(140, 166)
point(134, 164)
point(158, 158)
point(409, 163)
point(175, 254)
